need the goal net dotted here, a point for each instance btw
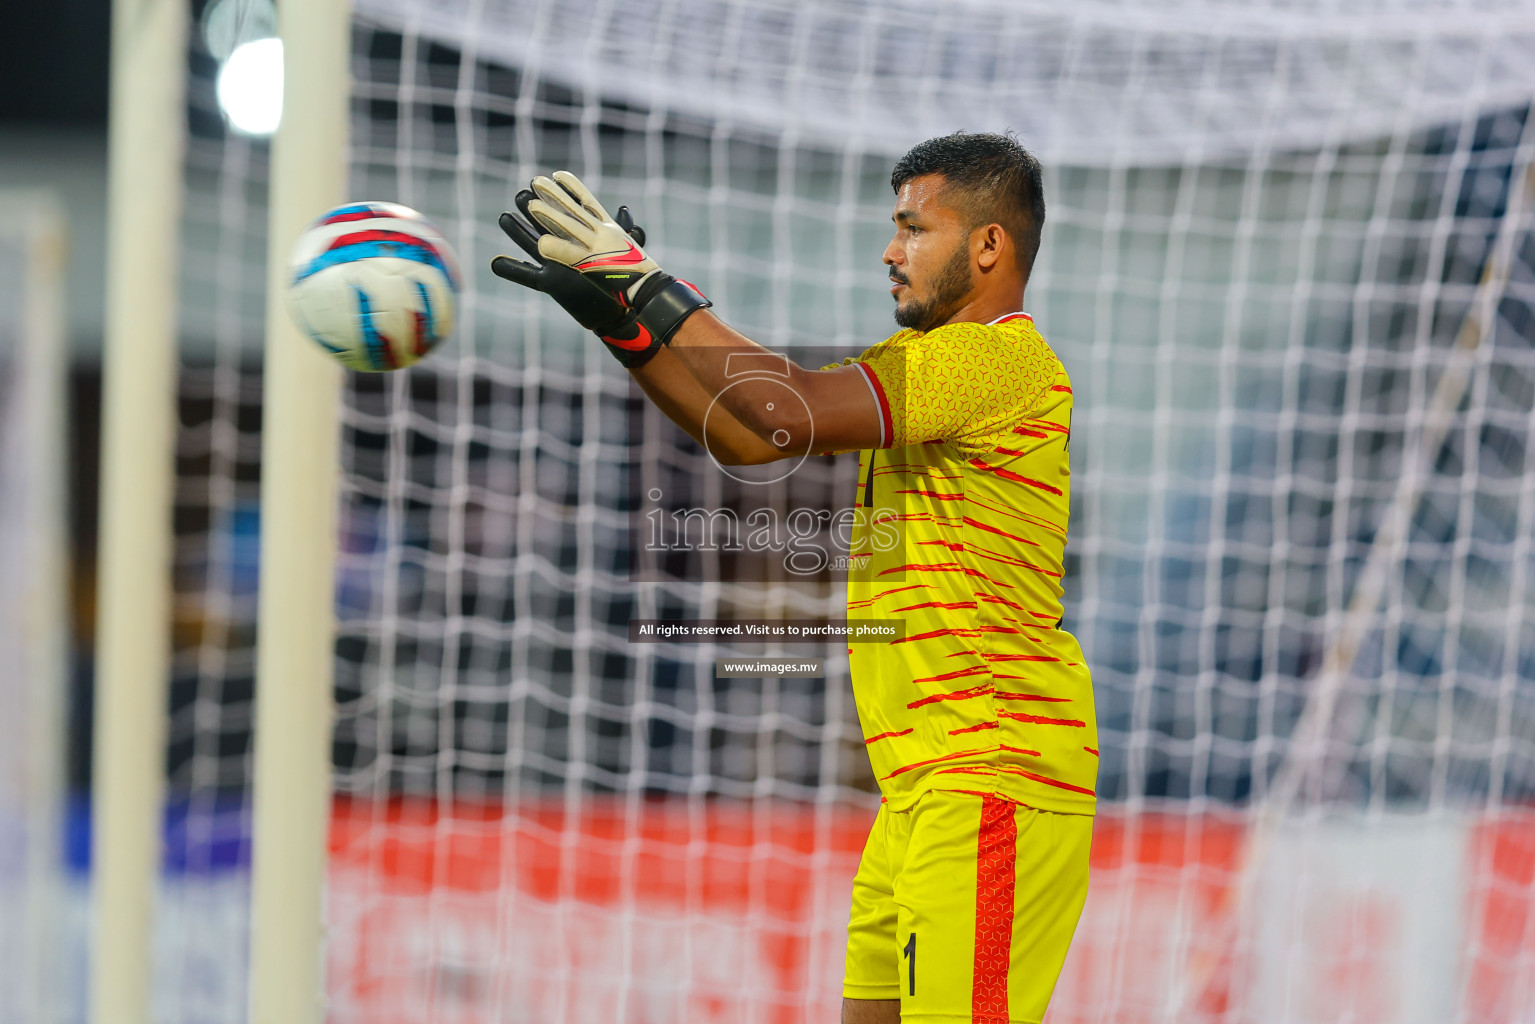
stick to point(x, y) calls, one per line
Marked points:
point(1288, 266)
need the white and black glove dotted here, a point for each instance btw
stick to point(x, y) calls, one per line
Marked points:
point(579, 234)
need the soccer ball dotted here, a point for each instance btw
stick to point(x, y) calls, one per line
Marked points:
point(374, 284)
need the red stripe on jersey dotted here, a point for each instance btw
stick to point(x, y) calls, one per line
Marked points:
point(946, 567)
point(1030, 432)
point(1019, 657)
point(973, 728)
point(951, 605)
point(1003, 695)
point(994, 599)
point(1010, 451)
point(937, 519)
point(958, 673)
point(917, 469)
point(1014, 513)
point(1045, 779)
point(960, 632)
point(887, 429)
point(1000, 533)
point(1091, 751)
point(974, 691)
point(1060, 387)
point(886, 593)
point(935, 494)
point(995, 866)
point(886, 736)
point(1007, 474)
point(1019, 716)
point(1016, 562)
point(947, 757)
point(897, 590)
point(927, 567)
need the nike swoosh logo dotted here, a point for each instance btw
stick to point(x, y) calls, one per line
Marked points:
point(625, 259)
point(639, 343)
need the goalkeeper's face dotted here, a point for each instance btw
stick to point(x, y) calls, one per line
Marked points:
point(929, 257)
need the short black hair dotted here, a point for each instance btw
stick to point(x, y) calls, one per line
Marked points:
point(995, 180)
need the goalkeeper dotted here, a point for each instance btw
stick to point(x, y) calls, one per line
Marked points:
point(979, 723)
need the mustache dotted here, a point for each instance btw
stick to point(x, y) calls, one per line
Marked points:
point(898, 278)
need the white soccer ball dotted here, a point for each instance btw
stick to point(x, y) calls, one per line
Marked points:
point(374, 284)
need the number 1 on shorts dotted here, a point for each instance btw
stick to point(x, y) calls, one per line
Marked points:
point(910, 953)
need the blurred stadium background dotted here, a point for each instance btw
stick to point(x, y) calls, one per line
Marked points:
point(1288, 264)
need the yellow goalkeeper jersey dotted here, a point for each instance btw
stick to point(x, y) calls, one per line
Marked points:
point(963, 536)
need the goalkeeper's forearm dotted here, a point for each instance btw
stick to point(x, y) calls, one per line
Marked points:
point(685, 402)
point(705, 344)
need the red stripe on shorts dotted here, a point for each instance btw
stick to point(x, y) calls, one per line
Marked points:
point(995, 867)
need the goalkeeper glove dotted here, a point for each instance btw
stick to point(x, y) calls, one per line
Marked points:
point(588, 305)
point(581, 235)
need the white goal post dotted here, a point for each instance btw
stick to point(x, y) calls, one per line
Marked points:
point(34, 643)
point(290, 781)
point(146, 145)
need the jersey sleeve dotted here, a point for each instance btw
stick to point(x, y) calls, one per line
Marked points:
point(957, 381)
point(873, 388)
point(849, 361)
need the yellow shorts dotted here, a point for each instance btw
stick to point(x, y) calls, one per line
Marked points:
point(964, 906)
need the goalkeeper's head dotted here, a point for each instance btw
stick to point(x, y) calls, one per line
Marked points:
point(968, 214)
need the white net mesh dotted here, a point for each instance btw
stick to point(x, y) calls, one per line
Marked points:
point(1267, 229)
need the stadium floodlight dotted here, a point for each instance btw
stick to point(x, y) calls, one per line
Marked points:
point(250, 87)
point(227, 24)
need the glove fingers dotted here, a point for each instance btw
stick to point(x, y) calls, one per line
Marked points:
point(583, 195)
point(558, 222)
point(525, 274)
point(522, 199)
point(525, 237)
point(625, 220)
point(553, 247)
point(557, 198)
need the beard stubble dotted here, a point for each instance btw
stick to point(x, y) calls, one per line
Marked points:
point(950, 286)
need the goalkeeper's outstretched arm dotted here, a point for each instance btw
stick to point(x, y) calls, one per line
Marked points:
point(836, 411)
point(687, 360)
point(685, 402)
